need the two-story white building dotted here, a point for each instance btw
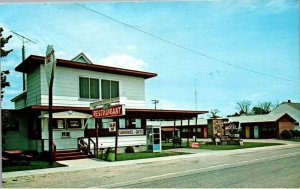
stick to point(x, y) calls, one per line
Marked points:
point(77, 84)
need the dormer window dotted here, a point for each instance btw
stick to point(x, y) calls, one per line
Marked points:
point(88, 88)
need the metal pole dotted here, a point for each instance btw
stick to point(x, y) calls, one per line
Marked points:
point(180, 131)
point(23, 58)
point(50, 124)
point(116, 141)
point(196, 128)
point(174, 132)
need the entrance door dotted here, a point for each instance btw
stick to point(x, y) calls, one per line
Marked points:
point(256, 133)
point(247, 132)
point(205, 132)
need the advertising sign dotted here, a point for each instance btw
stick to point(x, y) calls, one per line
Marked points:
point(112, 111)
point(112, 126)
point(131, 132)
point(50, 63)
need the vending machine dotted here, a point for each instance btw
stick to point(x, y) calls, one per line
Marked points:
point(153, 138)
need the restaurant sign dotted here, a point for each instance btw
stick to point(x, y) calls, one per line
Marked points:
point(131, 132)
point(112, 111)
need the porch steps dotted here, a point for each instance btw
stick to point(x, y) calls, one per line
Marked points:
point(69, 154)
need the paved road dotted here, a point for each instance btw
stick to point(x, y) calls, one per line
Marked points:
point(263, 168)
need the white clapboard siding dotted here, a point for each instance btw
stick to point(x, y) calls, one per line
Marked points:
point(66, 87)
point(33, 87)
point(105, 142)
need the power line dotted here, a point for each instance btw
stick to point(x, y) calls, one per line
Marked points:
point(183, 47)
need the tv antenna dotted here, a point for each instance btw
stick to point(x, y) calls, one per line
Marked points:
point(24, 40)
point(196, 95)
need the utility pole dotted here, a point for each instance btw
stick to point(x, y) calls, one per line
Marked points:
point(24, 40)
point(155, 102)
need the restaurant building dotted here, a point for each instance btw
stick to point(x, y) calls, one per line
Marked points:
point(77, 84)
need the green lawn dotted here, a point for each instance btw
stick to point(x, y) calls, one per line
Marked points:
point(222, 147)
point(33, 165)
point(142, 155)
point(294, 139)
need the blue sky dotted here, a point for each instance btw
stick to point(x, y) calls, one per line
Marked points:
point(262, 36)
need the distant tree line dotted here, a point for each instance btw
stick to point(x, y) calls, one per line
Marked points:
point(245, 107)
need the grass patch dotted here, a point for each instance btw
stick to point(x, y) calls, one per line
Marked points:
point(233, 147)
point(294, 139)
point(166, 146)
point(33, 165)
point(142, 155)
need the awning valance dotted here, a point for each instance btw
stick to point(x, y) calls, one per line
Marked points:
point(68, 115)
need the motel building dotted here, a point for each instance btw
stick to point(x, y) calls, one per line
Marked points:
point(78, 85)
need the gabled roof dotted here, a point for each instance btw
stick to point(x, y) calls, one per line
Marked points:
point(82, 58)
point(33, 60)
point(259, 118)
point(295, 105)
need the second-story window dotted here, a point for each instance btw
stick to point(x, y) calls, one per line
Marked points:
point(88, 88)
point(109, 89)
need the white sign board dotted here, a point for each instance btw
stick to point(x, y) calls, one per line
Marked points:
point(112, 126)
point(131, 132)
point(50, 63)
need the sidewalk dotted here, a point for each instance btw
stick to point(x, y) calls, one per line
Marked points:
point(93, 163)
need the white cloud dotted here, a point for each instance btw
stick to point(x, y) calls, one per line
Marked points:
point(123, 61)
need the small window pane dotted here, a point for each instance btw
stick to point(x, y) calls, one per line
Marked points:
point(122, 123)
point(138, 123)
point(105, 89)
point(83, 87)
point(114, 89)
point(105, 123)
point(94, 88)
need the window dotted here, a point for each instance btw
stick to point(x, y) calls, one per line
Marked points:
point(105, 122)
point(199, 130)
point(88, 88)
point(122, 123)
point(74, 123)
point(109, 89)
point(58, 124)
point(132, 123)
point(184, 130)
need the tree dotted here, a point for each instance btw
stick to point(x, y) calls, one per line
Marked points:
point(243, 106)
point(214, 113)
point(3, 53)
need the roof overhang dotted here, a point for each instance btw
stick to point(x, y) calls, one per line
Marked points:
point(34, 60)
point(140, 113)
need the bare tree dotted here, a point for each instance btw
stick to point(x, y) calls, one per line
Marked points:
point(214, 113)
point(243, 106)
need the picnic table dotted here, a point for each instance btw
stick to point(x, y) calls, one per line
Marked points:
point(18, 156)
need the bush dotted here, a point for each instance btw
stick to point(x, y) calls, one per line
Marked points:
point(107, 152)
point(293, 133)
point(129, 149)
point(296, 133)
point(285, 134)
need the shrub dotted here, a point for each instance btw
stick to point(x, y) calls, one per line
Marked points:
point(285, 134)
point(129, 149)
point(297, 133)
point(107, 152)
point(293, 133)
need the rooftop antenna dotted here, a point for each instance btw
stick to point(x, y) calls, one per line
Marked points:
point(196, 94)
point(24, 40)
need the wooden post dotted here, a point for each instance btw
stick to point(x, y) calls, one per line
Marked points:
point(97, 142)
point(174, 132)
point(180, 131)
point(188, 137)
point(116, 141)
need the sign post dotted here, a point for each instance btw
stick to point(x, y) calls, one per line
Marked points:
point(111, 111)
point(50, 64)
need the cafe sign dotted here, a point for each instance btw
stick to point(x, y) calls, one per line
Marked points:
point(131, 132)
point(112, 111)
point(112, 126)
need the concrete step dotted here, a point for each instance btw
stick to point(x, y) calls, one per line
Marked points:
point(82, 156)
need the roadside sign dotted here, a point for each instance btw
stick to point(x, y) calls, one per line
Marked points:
point(112, 111)
point(50, 63)
point(112, 126)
